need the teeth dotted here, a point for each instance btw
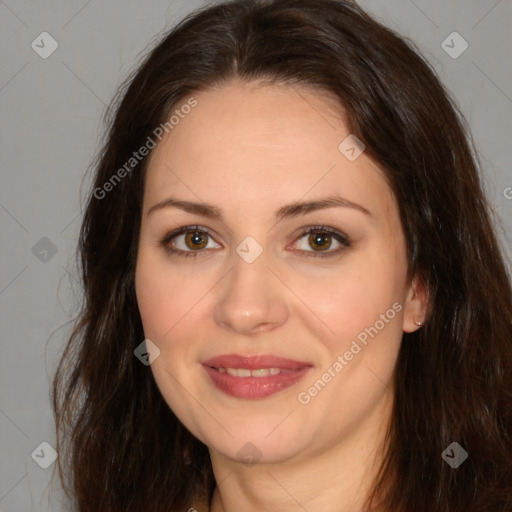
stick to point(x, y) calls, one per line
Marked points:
point(263, 372)
point(245, 372)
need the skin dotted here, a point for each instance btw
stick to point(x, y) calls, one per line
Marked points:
point(249, 149)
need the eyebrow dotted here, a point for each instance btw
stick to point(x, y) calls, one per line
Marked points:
point(285, 212)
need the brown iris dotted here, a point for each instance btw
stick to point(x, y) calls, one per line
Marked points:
point(318, 240)
point(197, 239)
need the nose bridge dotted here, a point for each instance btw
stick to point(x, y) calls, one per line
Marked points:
point(250, 299)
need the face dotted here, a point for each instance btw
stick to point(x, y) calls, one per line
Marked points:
point(278, 314)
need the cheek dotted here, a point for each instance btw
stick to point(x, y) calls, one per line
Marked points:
point(362, 305)
point(166, 304)
point(356, 296)
point(163, 296)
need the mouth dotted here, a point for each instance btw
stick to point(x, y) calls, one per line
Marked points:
point(254, 377)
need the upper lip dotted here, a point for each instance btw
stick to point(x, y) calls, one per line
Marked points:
point(254, 362)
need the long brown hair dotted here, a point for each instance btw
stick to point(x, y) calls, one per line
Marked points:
point(121, 447)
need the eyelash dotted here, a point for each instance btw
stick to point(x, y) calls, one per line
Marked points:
point(338, 236)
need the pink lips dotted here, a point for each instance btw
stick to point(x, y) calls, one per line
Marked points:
point(259, 376)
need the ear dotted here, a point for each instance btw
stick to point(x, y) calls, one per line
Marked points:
point(416, 305)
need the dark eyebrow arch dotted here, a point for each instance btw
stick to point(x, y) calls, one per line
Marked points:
point(287, 211)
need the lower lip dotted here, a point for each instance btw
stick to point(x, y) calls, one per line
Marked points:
point(254, 388)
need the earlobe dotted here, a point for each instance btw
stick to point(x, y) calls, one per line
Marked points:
point(416, 302)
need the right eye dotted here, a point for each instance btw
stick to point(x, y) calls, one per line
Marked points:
point(191, 240)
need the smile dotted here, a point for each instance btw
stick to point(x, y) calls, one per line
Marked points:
point(254, 377)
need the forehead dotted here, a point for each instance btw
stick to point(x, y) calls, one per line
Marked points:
point(265, 144)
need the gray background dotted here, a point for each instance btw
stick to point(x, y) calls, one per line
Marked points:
point(50, 130)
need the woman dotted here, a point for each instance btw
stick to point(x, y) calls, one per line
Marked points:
point(294, 294)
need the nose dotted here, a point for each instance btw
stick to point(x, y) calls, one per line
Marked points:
point(251, 298)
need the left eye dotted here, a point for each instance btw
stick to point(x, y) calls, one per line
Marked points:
point(321, 239)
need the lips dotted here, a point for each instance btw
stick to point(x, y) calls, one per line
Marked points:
point(254, 377)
